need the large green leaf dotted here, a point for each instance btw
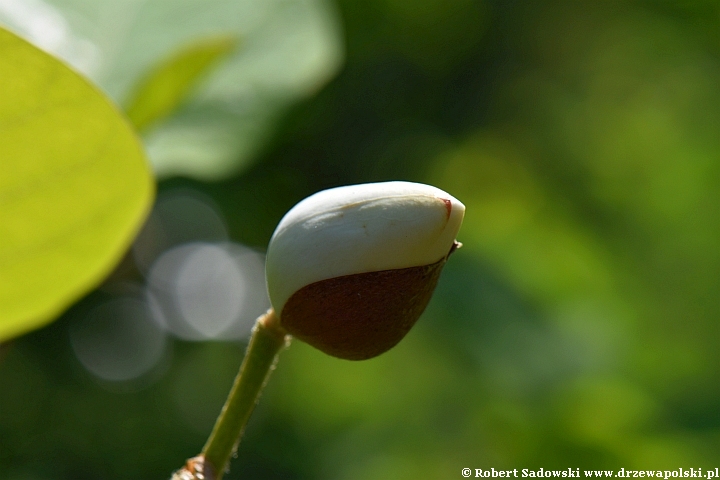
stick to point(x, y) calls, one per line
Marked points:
point(74, 186)
point(290, 49)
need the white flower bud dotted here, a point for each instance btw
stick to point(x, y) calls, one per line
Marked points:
point(350, 269)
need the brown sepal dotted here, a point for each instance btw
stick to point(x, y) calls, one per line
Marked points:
point(360, 316)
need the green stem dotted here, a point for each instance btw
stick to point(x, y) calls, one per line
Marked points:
point(267, 339)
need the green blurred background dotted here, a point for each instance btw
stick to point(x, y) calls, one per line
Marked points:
point(577, 327)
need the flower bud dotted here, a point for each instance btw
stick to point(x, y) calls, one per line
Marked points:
point(350, 269)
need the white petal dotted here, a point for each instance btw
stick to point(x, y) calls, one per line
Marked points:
point(358, 229)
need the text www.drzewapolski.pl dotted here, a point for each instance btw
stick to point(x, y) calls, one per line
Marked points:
point(577, 473)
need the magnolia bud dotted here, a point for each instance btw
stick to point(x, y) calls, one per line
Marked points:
point(350, 269)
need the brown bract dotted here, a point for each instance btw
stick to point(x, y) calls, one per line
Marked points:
point(360, 316)
point(195, 468)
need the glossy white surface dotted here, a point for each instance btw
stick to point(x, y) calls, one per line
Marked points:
point(358, 229)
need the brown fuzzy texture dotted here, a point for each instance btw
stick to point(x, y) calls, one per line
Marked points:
point(360, 316)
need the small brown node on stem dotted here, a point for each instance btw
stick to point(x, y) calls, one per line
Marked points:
point(195, 468)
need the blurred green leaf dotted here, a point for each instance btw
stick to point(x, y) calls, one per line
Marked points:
point(168, 85)
point(290, 49)
point(74, 188)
